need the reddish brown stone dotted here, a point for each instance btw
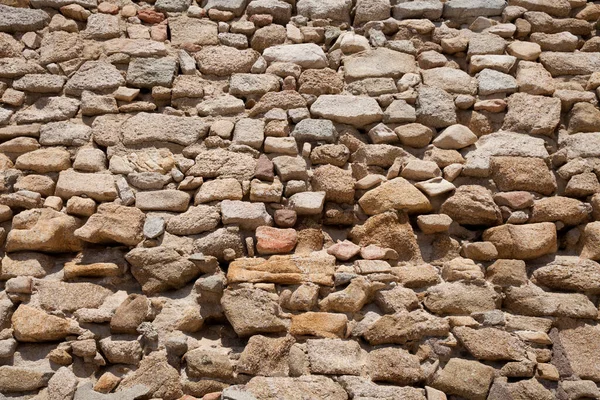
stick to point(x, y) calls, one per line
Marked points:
point(264, 169)
point(274, 240)
point(151, 16)
point(261, 19)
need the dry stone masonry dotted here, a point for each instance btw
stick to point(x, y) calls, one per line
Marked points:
point(299, 199)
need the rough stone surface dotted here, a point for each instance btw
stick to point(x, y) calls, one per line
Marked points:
point(277, 199)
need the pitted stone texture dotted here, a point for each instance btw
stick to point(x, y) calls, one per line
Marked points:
point(353, 110)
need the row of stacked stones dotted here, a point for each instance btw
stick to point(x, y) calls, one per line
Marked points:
point(311, 199)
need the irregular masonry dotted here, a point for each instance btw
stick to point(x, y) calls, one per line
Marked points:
point(299, 199)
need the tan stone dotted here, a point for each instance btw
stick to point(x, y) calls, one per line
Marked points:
point(44, 160)
point(44, 230)
point(522, 173)
point(322, 324)
point(397, 194)
point(533, 301)
point(458, 298)
point(465, 378)
point(100, 187)
point(576, 349)
point(405, 326)
point(523, 242)
point(490, 343)
point(472, 205)
point(34, 325)
point(394, 365)
point(558, 208)
point(113, 223)
point(388, 230)
point(591, 241)
point(296, 269)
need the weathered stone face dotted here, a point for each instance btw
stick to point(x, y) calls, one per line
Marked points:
point(276, 199)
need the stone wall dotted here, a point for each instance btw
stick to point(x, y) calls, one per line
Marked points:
point(294, 200)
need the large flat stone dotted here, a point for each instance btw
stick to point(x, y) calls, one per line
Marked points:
point(17, 67)
point(501, 144)
point(306, 55)
point(581, 145)
point(48, 109)
point(95, 76)
point(352, 110)
point(147, 73)
point(378, 63)
point(570, 63)
point(14, 19)
point(193, 31)
point(135, 47)
point(100, 187)
point(461, 9)
point(146, 127)
point(291, 270)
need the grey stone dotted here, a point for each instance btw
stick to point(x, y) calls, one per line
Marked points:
point(62, 3)
point(146, 127)
point(462, 9)
point(435, 107)
point(14, 19)
point(581, 145)
point(62, 385)
point(567, 63)
point(306, 55)
point(252, 311)
point(86, 392)
point(154, 226)
point(429, 9)
point(334, 356)
point(64, 133)
point(95, 76)
point(221, 105)
point(220, 163)
point(246, 215)
point(451, 80)
point(148, 72)
point(336, 10)
point(161, 268)
point(48, 109)
point(40, 83)
point(101, 26)
point(501, 144)
point(223, 243)
point(17, 67)
point(492, 82)
point(249, 132)
point(307, 203)
point(172, 5)
point(253, 84)
point(237, 7)
point(315, 130)
point(280, 10)
point(399, 112)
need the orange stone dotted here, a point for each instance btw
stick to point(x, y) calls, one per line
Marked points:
point(323, 324)
point(291, 270)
